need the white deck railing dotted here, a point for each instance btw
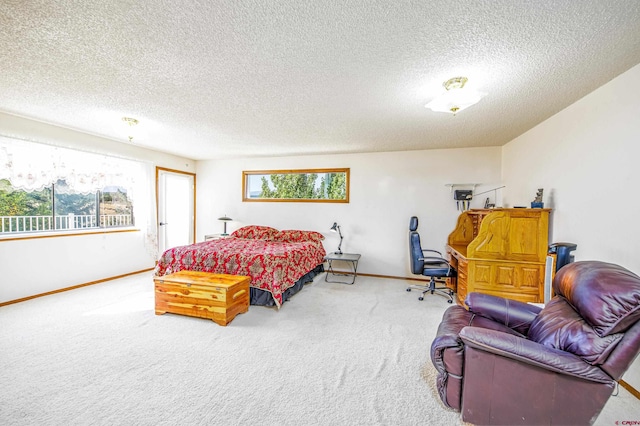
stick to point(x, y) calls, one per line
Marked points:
point(9, 224)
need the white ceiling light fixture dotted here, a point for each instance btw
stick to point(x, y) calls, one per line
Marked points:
point(455, 99)
point(131, 124)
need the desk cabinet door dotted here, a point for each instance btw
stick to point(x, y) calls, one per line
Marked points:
point(523, 282)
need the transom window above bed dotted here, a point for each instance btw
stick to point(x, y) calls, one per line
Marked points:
point(304, 185)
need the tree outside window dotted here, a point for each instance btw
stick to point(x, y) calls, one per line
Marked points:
point(58, 207)
point(319, 185)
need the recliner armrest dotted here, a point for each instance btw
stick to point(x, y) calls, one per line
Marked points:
point(511, 313)
point(529, 352)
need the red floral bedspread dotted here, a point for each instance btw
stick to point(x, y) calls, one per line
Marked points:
point(272, 265)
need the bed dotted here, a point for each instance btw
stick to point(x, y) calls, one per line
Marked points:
point(278, 262)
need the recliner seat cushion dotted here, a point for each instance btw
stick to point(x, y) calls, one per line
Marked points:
point(559, 326)
point(607, 296)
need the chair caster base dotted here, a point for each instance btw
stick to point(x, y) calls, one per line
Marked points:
point(446, 292)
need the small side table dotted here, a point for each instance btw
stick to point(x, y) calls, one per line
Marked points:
point(215, 236)
point(351, 258)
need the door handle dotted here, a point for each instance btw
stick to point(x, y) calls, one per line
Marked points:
point(163, 223)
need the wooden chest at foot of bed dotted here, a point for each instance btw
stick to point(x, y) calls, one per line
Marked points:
point(217, 297)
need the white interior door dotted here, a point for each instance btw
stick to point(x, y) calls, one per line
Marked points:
point(176, 207)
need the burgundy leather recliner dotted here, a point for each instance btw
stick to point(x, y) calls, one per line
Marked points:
point(508, 362)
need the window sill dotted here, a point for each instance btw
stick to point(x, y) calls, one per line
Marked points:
point(54, 234)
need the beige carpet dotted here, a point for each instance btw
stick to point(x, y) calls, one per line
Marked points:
point(333, 355)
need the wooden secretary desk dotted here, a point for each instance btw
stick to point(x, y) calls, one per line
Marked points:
point(500, 252)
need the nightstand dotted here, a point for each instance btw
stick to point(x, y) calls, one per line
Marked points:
point(351, 258)
point(215, 236)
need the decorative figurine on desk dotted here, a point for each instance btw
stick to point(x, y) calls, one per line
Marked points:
point(488, 205)
point(537, 202)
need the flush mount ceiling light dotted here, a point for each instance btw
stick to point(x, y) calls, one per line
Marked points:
point(456, 98)
point(130, 123)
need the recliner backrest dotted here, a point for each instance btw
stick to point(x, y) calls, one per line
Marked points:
point(607, 297)
point(559, 326)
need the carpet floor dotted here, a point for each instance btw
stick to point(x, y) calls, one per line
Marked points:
point(333, 355)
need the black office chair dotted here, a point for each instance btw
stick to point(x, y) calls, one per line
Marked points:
point(435, 267)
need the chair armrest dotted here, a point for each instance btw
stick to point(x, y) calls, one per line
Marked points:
point(514, 314)
point(526, 351)
point(431, 251)
point(454, 319)
point(434, 260)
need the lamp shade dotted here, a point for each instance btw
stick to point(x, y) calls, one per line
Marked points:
point(455, 100)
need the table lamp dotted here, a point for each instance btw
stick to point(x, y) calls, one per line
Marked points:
point(336, 228)
point(225, 219)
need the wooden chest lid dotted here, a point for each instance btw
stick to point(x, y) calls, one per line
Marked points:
point(203, 278)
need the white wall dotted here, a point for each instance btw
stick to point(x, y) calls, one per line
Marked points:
point(35, 131)
point(386, 190)
point(587, 158)
point(35, 266)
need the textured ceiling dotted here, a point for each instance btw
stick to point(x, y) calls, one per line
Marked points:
point(228, 78)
